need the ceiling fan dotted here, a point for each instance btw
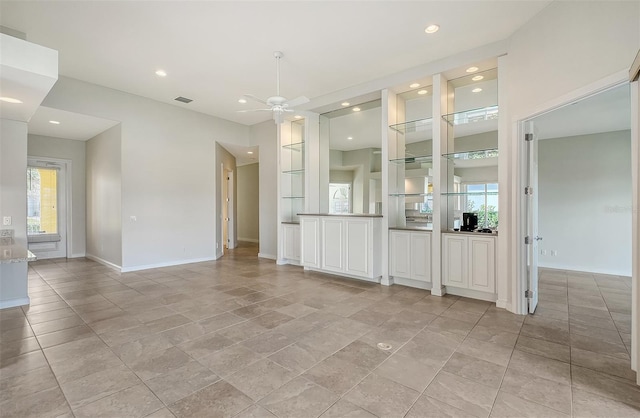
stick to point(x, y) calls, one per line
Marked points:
point(277, 104)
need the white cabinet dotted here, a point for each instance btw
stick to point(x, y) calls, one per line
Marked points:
point(291, 241)
point(469, 262)
point(343, 245)
point(410, 255)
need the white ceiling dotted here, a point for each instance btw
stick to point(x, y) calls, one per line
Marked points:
point(607, 111)
point(72, 125)
point(216, 51)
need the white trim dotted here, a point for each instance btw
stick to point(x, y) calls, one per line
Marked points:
point(256, 241)
point(581, 270)
point(268, 256)
point(104, 262)
point(12, 303)
point(167, 264)
point(418, 284)
point(474, 294)
point(77, 255)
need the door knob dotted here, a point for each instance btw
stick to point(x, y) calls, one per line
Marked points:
point(538, 238)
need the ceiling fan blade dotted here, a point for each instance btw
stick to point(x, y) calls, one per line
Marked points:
point(288, 110)
point(257, 99)
point(297, 101)
point(253, 110)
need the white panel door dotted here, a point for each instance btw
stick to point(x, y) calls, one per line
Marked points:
point(310, 236)
point(332, 248)
point(482, 264)
point(421, 256)
point(399, 247)
point(291, 241)
point(357, 243)
point(454, 272)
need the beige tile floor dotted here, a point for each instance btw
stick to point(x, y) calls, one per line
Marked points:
point(244, 337)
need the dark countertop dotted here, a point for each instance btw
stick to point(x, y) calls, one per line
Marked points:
point(346, 215)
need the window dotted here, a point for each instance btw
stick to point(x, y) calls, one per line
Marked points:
point(482, 199)
point(42, 201)
point(339, 198)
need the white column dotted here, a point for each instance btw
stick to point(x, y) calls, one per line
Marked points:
point(635, 215)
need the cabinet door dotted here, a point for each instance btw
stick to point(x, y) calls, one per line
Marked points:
point(399, 248)
point(358, 247)
point(332, 245)
point(310, 236)
point(291, 241)
point(482, 264)
point(455, 261)
point(421, 256)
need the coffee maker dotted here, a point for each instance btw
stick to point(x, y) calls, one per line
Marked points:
point(469, 221)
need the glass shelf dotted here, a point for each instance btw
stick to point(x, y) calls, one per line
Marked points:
point(412, 160)
point(411, 194)
point(472, 116)
point(413, 126)
point(294, 172)
point(470, 194)
point(472, 155)
point(297, 146)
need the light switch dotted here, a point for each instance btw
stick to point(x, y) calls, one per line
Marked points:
point(6, 220)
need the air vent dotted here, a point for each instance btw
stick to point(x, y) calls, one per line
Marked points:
point(183, 99)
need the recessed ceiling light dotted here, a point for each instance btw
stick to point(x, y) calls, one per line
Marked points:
point(54, 122)
point(249, 152)
point(349, 138)
point(478, 78)
point(423, 92)
point(432, 29)
point(161, 73)
point(298, 117)
point(477, 90)
point(345, 103)
point(356, 109)
point(243, 101)
point(472, 69)
point(10, 100)
point(414, 85)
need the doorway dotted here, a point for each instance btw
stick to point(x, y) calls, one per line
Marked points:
point(228, 199)
point(48, 197)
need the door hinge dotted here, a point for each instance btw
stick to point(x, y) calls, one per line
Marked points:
point(528, 294)
point(528, 190)
point(528, 137)
point(527, 240)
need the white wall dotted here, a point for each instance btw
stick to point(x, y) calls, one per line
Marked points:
point(104, 197)
point(168, 180)
point(248, 202)
point(554, 57)
point(584, 202)
point(44, 146)
point(13, 172)
point(265, 136)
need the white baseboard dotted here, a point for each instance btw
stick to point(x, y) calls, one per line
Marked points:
point(104, 262)
point(12, 303)
point(582, 269)
point(473, 294)
point(412, 283)
point(78, 255)
point(166, 264)
point(269, 256)
point(257, 241)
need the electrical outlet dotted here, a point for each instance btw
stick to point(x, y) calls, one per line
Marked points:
point(554, 253)
point(543, 252)
point(6, 220)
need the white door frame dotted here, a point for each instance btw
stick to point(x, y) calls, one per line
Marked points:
point(634, 74)
point(231, 201)
point(68, 198)
point(519, 269)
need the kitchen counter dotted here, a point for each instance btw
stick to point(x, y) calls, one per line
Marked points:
point(410, 228)
point(493, 234)
point(14, 274)
point(351, 215)
point(12, 253)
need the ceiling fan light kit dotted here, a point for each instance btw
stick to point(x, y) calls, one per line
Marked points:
point(277, 104)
